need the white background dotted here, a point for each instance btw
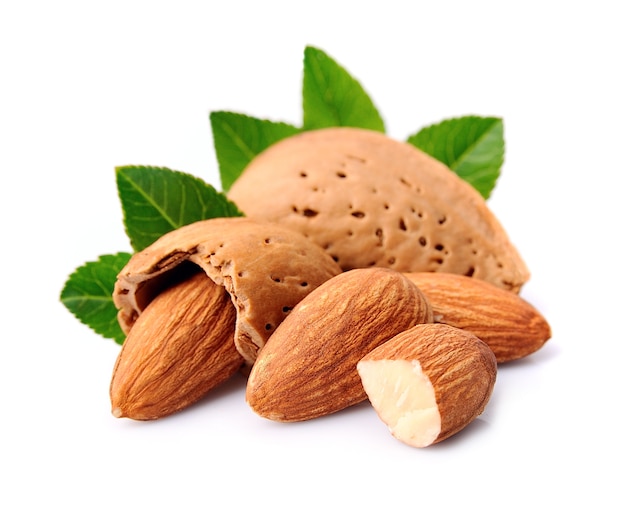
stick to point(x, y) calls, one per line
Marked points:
point(87, 86)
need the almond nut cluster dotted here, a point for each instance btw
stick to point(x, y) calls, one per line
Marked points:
point(363, 269)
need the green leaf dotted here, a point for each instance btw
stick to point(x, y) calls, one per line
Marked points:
point(331, 97)
point(472, 146)
point(88, 291)
point(156, 200)
point(239, 138)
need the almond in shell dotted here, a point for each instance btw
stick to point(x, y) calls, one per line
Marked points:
point(265, 268)
point(370, 200)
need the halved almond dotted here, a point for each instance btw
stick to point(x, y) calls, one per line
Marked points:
point(429, 382)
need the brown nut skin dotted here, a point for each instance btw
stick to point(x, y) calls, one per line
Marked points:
point(307, 369)
point(266, 269)
point(370, 200)
point(181, 347)
point(461, 368)
point(511, 326)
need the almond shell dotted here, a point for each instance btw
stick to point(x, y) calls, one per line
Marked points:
point(370, 200)
point(266, 268)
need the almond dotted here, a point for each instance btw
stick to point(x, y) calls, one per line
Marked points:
point(511, 326)
point(181, 347)
point(370, 200)
point(307, 368)
point(429, 382)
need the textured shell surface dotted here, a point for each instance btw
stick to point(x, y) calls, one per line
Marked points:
point(265, 267)
point(370, 200)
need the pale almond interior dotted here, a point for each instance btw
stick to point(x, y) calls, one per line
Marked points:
point(404, 399)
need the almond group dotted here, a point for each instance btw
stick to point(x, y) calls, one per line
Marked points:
point(364, 270)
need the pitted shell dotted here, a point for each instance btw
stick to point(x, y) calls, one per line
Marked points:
point(266, 268)
point(369, 200)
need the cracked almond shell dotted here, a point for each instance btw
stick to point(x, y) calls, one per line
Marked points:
point(266, 268)
point(369, 200)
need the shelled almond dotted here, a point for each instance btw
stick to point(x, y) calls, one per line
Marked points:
point(307, 368)
point(510, 325)
point(429, 382)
